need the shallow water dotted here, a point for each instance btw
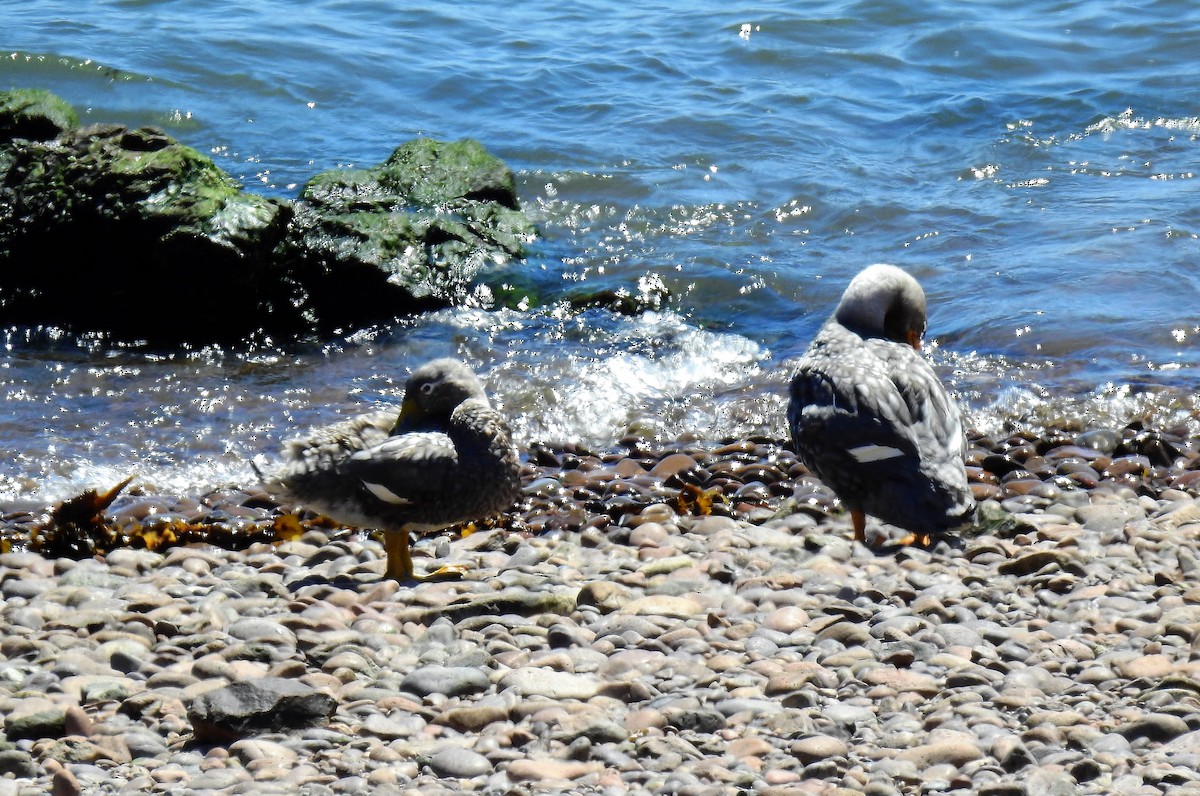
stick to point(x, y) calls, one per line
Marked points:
point(1033, 166)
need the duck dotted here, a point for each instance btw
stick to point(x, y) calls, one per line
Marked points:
point(870, 418)
point(446, 458)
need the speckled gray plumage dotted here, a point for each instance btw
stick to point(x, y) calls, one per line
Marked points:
point(869, 416)
point(450, 461)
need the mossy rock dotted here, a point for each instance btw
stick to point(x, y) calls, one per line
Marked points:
point(34, 114)
point(411, 234)
point(139, 236)
point(435, 173)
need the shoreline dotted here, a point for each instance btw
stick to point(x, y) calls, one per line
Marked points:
point(613, 641)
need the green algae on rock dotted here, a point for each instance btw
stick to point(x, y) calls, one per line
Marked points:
point(133, 234)
point(34, 114)
point(414, 232)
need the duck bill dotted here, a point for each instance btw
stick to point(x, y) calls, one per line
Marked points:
point(410, 416)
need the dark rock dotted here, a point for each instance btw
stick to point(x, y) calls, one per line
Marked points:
point(143, 238)
point(700, 720)
point(270, 704)
point(651, 294)
point(1002, 789)
point(1155, 727)
point(1086, 770)
point(135, 234)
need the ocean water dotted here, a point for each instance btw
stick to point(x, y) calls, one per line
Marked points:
point(1033, 165)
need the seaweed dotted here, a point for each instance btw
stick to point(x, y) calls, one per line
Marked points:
point(696, 501)
point(78, 528)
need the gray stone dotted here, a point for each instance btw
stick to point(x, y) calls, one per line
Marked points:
point(48, 722)
point(142, 743)
point(271, 703)
point(18, 763)
point(383, 727)
point(448, 681)
point(700, 720)
point(1108, 515)
point(533, 681)
point(458, 762)
point(1155, 727)
point(262, 630)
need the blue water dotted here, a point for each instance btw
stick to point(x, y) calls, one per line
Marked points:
point(1033, 164)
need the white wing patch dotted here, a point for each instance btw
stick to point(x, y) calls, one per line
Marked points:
point(871, 453)
point(386, 495)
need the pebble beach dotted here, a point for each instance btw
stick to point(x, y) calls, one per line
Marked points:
point(690, 618)
point(682, 610)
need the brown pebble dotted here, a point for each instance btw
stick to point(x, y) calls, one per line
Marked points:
point(604, 595)
point(818, 747)
point(290, 669)
point(473, 718)
point(750, 747)
point(955, 749)
point(983, 492)
point(787, 619)
point(64, 783)
point(1151, 667)
point(1020, 486)
point(76, 722)
point(534, 770)
point(673, 465)
point(638, 721)
point(1128, 465)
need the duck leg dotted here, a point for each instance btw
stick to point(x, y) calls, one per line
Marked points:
point(923, 539)
point(859, 520)
point(400, 563)
point(399, 558)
